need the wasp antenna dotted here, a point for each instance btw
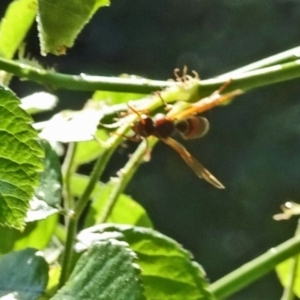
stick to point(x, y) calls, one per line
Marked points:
point(167, 106)
point(135, 111)
point(224, 86)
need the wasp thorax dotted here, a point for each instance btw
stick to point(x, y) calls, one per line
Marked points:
point(164, 127)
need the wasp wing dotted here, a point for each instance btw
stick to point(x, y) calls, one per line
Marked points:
point(203, 105)
point(193, 163)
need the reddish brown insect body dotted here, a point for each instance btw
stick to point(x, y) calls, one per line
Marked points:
point(162, 128)
point(159, 126)
point(188, 124)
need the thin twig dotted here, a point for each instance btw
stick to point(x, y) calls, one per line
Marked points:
point(288, 293)
point(67, 170)
point(245, 81)
point(280, 58)
point(99, 167)
point(255, 269)
point(125, 175)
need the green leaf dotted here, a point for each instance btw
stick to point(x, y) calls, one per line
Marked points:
point(60, 21)
point(20, 160)
point(49, 192)
point(39, 234)
point(126, 210)
point(168, 271)
point(15, 25)
point(53, 282)
point(79, 182)
point(283, 272)
point(88, 151)
point(36, 235)
point(107, 271)
point(24, 275)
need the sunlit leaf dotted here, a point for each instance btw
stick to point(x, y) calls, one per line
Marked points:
point(283, 271)
point(107, 271)
point(116, 97)
point(36, 235)
point(49, 192)
point(20, 159)
point(24, 275)
point(14, 26)
point(168, 271)
point(60, 21)
point(126, 210)
point(54, 273)
point(87, 151)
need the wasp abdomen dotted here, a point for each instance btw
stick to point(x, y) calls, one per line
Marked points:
point(193, 127)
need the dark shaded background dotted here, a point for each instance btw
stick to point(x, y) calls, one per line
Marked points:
point(253, 145)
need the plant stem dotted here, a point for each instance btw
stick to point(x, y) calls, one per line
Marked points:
point(254, 79)
point(244, 81)
point(288, 293)
point(125, 175)
point(99, 167)
point(60, 233)
point(254, 269)
point(101, 162)
point(82, 82)
point(67, 255)
point(283, 57)
point(67, 170)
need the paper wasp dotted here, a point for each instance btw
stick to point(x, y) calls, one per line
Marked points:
point(188, 124)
